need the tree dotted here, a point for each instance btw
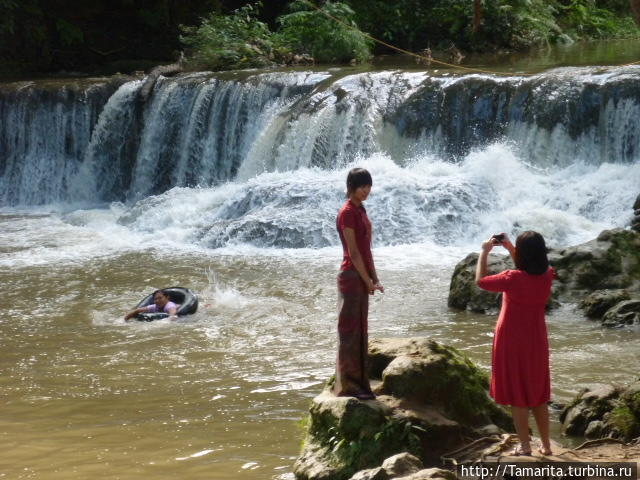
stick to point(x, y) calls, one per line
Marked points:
point(635, 10)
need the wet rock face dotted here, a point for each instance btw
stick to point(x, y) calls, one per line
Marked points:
point(464, 294)
point(623, 313)
point(430, 399)
point(597, 303)
point(600, 276)
point(635, 222)
point(604, 410)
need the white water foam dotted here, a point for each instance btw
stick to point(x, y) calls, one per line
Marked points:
point(428, 211)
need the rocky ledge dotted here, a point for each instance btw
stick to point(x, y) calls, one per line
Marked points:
point(599, 411)
point(432, 414)
point(430, 399)
point(601, 276)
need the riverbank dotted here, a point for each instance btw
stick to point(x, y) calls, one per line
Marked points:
point(431, 415)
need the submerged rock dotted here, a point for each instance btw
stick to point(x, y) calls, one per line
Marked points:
point(604, 411)
point(602, 276)
point(430, 399)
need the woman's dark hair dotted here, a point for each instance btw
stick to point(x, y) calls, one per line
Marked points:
point(153, 295)
point(358, 177)
point(531, 253)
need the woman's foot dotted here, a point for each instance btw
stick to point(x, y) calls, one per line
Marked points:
point(520, 451)
point(365, 396)
point(544, 450)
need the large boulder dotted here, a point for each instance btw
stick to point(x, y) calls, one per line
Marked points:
point(464, 294)
point(598, 275)
point(611, 261)
point(604, 411)
point(430, 399)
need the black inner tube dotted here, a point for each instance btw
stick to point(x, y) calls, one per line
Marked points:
point(184, 297)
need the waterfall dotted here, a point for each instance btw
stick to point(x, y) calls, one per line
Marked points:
point(93, 141)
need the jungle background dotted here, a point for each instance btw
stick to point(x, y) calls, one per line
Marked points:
point(108, 36)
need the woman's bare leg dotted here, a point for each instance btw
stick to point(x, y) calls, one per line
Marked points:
point(541, 414)
point(521, 422)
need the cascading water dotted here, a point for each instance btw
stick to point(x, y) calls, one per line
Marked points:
point(452, 156)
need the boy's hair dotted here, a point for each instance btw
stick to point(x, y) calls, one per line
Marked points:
point(358, 177)
point(531, 253)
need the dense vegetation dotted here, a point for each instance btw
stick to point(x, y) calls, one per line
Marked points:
point(53, 35)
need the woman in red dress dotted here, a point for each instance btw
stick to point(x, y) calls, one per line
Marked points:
point(356, 281)
point(520, 358)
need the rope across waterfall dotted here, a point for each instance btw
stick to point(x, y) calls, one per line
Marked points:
point(423, 58)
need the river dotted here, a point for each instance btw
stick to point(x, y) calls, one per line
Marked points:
point(229, 184)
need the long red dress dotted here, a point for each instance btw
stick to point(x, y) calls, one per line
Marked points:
point(520, 358)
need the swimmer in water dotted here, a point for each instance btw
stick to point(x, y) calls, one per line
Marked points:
point(161, 303)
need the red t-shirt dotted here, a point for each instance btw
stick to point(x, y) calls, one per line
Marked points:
point(350, 216)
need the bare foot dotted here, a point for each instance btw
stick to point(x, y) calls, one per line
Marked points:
point(544, 450)
point(520, 451)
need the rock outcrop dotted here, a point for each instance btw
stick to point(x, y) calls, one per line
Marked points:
point(635, 222)
point(464, 294)
point(403, 466)
point(602, 276)
point(430, 399)
point(604, 411)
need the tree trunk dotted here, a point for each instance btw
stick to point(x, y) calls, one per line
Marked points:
point(152, 78)
point(477, 15)
point(635, 10)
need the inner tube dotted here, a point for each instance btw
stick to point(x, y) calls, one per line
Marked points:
point(185, 298)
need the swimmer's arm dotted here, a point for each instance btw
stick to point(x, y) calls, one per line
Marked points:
point(135, 312)
point(173, 313)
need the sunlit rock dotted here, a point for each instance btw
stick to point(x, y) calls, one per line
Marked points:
point(602, 276)
point(430, 399)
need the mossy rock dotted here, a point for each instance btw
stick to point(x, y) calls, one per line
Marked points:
point(464, 294)
point(624, 422)
point(430, 400)
point(604, 410)
point(596, 304)
point(346, 435)
point(445, 378)
point(597, 274)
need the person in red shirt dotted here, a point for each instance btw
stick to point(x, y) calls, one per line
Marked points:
point(356, 281)
point(520, 357)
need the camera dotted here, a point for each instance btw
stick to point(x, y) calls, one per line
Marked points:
point(498, 238)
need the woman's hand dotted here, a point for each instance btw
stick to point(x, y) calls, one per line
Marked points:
point(506, 243)
point(489, 244)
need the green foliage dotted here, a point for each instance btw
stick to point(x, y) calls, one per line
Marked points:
point(625, 421)
point(238, 40)
point(308, 31)
point(393, 436)
point(241, 39)
point(69, 33)
point(514, 24)
point(585, 19)
point(520, 23)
